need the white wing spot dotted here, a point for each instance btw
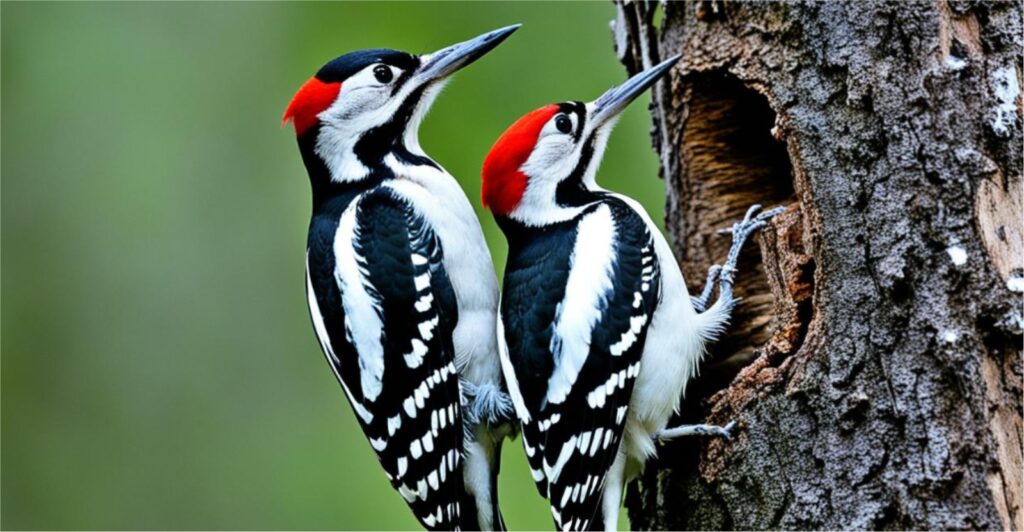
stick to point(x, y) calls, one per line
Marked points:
point(609, 386)
point(423, 304)
point(563, 457)
point(427, 329)
point(597, 441)
point(565, 496)
point(403, 466)
point(421, 394)
point(584, 441)
point(413, 360)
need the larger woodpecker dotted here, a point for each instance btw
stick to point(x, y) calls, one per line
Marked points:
point(400, 284)
point(602, 335)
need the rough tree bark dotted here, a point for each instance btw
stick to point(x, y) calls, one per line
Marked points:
point(874, 365)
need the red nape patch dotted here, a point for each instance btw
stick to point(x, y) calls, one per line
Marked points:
point(503, 183)
point(313, 97)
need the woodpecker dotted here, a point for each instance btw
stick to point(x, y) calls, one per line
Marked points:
point(600, 334)
point(400, 285)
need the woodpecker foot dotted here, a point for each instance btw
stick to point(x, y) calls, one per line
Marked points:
point(696, 430)
point(700, 303)
point(741, 231)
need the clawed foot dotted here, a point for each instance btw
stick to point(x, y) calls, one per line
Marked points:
point(696, 430)
point(741, 231)
point(724, 275)
point(700, 303)
point(751, 223)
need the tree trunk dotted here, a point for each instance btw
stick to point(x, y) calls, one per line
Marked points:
point(874, 365)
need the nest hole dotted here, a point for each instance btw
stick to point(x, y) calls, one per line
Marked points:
point(730, 161)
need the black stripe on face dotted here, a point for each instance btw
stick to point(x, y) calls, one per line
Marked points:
point(571, 192)
point(386, 138)
point(404, 77)
point(376, 143)
point(578, 109)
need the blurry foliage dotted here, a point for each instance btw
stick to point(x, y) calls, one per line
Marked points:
point(159, 369)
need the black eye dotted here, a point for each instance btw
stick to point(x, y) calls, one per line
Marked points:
point(382, 73)
point(563, 123)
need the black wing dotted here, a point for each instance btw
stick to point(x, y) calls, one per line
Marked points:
point(579, 361)
point(385, 314)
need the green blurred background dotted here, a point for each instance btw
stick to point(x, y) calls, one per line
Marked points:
point(158, 366)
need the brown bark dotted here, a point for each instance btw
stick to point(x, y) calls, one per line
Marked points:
point(874, 365)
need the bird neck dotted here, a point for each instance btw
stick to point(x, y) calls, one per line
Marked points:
point(349, 169)
point(328, 181)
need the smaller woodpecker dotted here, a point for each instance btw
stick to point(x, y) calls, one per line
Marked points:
point(601, 334)
point(400, 284)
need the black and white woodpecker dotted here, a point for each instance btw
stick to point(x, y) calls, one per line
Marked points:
point(602, 335)
point(400, 284)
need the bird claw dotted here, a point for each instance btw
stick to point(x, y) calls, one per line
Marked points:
point(727, 275)
point(726, 431)
point(753, 220)
point(696, 430)
point(750, 222)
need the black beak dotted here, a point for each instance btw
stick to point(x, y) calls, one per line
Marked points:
point(612, 102)
point(446, 61)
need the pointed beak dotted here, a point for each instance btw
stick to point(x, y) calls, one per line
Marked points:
point(612, 102)
point(444, 62)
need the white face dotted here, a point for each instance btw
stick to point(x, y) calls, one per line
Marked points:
point(369, 99)
point(561, 144)
point(365, 100)
point(558, 152)
point(557, 149)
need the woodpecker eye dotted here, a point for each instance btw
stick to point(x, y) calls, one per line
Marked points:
point(383, 74)
point(563, 123)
